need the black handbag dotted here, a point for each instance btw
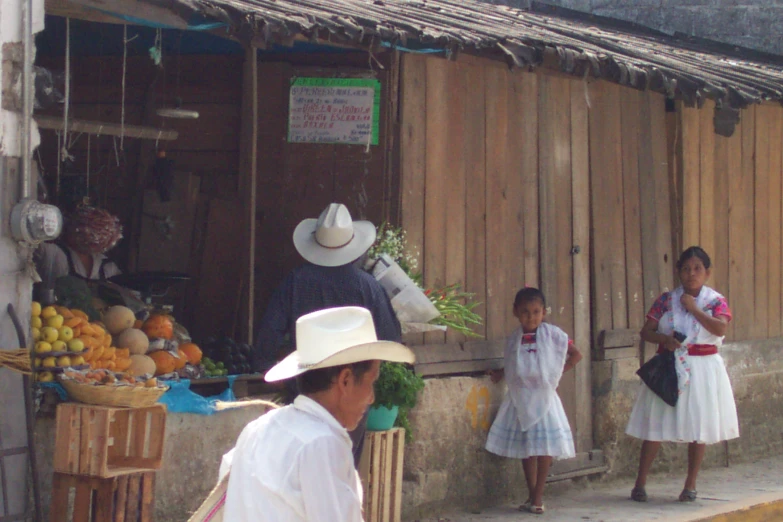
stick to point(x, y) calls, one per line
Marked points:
point(660, 376)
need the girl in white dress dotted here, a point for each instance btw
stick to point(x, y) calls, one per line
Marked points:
point(705, 412)
point(531, 424)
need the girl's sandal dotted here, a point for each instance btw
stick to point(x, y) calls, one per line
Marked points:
point(640, 495)
point(688, 495)
point(537, 510)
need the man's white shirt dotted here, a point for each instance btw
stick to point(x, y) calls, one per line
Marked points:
point(293, 465)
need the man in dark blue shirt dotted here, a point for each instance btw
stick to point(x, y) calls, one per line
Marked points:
point(330, 244)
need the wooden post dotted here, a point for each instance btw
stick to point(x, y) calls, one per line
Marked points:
point(248, 176)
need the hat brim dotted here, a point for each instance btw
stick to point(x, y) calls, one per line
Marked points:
point(304, 241)
point(380, 350)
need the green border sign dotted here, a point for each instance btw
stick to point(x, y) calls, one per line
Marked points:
point(334, 94)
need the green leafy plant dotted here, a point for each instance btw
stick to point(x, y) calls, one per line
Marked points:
point(455, 306)
point(398, 386)
point(456, 309)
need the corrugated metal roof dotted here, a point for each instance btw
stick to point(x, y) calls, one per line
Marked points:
point(581, 45)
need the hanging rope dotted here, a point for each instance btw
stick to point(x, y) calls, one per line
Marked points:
point(124, 70)
point(59, 163)
point(67, 81)
point(88, 166)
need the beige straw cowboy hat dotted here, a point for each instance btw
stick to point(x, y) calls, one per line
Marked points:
point(337, 336)
point(333, 239)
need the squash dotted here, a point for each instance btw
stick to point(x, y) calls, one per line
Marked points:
point(135, 340)
point(158, 326)
point(164, 362)
point(141, 364)
point(192, 352)
point(118, 318)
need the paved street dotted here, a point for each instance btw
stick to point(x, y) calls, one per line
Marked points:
point(721, 490)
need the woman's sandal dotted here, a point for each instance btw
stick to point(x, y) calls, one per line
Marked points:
point(526, 505)
point(640, 495)
point(688, 495)
point(537, 510)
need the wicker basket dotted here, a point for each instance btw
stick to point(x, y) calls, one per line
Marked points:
point(124, 396)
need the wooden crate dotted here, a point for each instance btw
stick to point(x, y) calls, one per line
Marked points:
point(380, 470)
point(104, 441)
point(127, 498)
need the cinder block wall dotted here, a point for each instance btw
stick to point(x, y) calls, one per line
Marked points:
point(748, 23)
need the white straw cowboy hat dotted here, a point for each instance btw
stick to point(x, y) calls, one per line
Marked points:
point(333, 239)
point(333, 337)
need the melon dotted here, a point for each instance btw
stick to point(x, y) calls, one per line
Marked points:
point(118, 319)
point(141, 364)
point(135, 340)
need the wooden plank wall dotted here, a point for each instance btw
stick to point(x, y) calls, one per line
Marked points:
point(731, 206)
point(535, 133)
point(536, 165)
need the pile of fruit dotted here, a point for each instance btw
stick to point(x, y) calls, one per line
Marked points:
point(152, 345)
point(65, 338)
point(109, 378)
point(226, 354)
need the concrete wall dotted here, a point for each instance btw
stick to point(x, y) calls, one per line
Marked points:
point(193, 449)
point(15, 282)
point(748, 23)
point(446, 467)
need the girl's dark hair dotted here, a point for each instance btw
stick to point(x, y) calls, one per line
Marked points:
point(694, 251)
point(314, 381)
point(529, 294)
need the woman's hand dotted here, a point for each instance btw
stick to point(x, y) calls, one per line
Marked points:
point(671, 343)
point(688, 302)
point(496, 375)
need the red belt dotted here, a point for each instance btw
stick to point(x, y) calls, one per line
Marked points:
point(702, 349)
point(696, 350)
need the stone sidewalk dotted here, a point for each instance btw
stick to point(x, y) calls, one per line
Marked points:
point(721, 490)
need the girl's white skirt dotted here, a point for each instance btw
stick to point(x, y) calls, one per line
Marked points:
point(705, 412)
point(551, 436)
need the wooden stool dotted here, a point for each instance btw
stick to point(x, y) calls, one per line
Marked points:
point(127, 498)
point(380, 470)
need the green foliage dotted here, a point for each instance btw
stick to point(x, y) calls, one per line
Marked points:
point(73, 292)
point(456, 309)
point(398, 386)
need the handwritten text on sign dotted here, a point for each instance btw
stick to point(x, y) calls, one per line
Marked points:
point(334, 110)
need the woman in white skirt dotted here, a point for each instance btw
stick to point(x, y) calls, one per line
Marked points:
point(531, 424)
point(705, 412)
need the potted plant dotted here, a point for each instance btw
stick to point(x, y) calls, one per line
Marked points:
point(396, 392)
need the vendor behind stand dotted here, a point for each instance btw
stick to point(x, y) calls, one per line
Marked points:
point(89, 233)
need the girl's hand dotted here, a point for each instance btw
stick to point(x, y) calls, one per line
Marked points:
point(671, 343)
point(688, 302)
point(496, 375)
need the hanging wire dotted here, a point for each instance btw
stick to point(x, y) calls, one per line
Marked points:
point(88, 165)
point(64, 143)
point(124, 70)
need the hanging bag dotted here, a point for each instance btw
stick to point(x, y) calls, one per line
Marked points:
point(660, 375)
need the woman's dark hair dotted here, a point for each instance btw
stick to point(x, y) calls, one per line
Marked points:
point(694, 251)
point(315, 381)
point(529, 294)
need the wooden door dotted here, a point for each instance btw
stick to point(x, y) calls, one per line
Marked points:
point(564, 235)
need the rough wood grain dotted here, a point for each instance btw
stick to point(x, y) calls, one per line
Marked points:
point(476, 205)
point(496, 139)
point(437, 178)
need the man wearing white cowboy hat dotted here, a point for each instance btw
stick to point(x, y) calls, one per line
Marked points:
point(294, 464)
point(330, 245)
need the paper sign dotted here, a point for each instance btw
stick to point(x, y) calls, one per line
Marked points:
point(334, 110)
